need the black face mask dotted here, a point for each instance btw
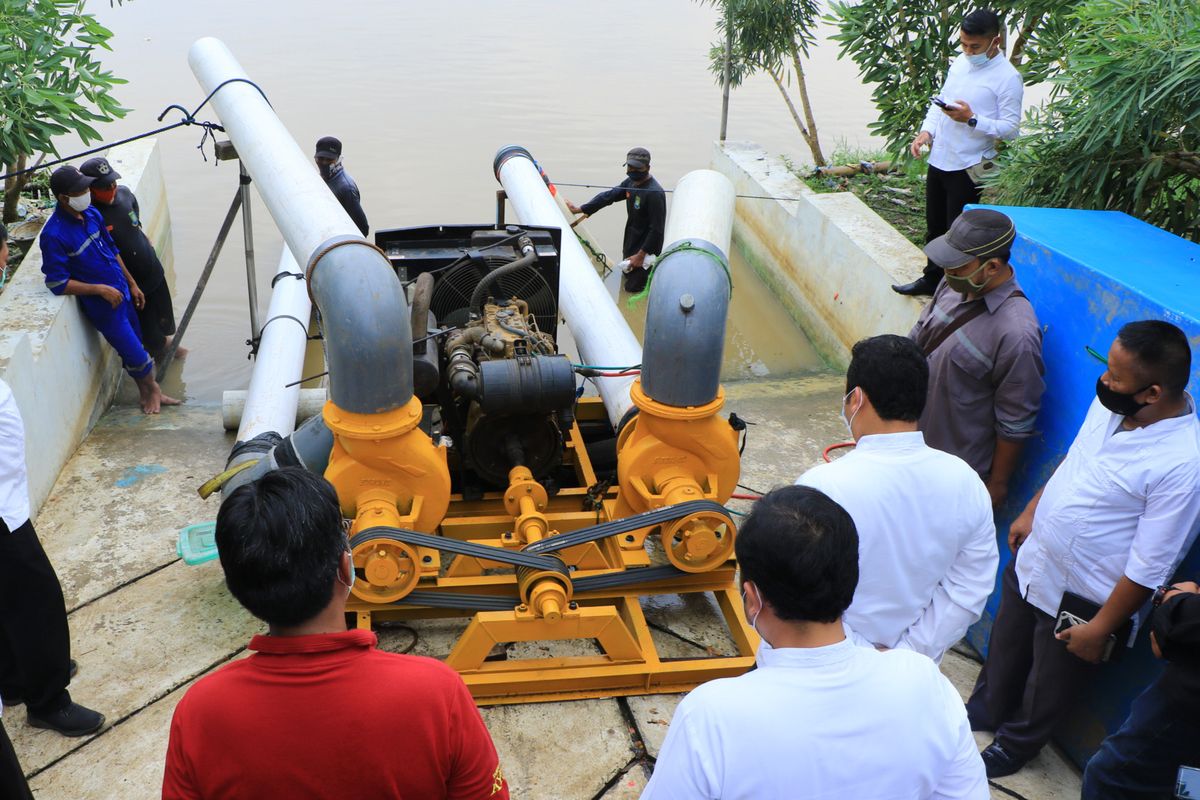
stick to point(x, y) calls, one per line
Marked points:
point(636, 176)
point(1119, 403)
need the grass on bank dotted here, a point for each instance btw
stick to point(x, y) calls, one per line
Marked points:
point(898, 197)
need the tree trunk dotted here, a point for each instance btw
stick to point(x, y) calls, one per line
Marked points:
point(811, 135)
point(12, 189)
point(1026, 31)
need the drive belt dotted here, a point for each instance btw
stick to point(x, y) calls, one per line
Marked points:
point(533, 556)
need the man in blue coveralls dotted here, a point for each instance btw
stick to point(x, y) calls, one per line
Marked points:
point(79, 258)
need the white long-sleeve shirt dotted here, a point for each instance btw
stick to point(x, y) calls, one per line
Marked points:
point(994, 92)
point(1122, 503)
point(819, 723)
point(14, 485)
point(927, 554)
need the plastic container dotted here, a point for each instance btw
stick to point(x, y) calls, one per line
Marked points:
point(198, 543)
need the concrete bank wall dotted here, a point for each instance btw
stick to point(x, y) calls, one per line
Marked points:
point(829, 258)
point(63, 374)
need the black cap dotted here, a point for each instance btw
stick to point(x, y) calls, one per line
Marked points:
point(638, 158)
point(100, 169)
point(329, 147)
point(979, 233)
point(68, 180)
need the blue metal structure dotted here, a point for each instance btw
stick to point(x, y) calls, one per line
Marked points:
point(1087, 273)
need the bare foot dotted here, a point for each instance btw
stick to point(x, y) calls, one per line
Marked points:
point(152, 397)
point(181, 353)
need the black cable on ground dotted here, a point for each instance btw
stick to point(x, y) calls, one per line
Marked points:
point(410, 630)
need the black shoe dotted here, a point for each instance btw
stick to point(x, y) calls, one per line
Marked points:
point(16, 698)
point(921, 286)
point(70, 720)
point(997, 763)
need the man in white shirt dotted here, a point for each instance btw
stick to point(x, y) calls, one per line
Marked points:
point(1111, 525)
point(35, 644)
point(979, 104)
point(926, 560)
point(820, 717)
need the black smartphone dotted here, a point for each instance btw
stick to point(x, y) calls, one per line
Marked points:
point(937, 101)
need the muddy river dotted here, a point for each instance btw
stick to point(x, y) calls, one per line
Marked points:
point(423, 94)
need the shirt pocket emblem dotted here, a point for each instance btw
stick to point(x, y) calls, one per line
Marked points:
point(637, 202)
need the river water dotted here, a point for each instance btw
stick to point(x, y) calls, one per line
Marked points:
point(423, 94)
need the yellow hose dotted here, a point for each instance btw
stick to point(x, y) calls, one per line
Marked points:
point(215, 484)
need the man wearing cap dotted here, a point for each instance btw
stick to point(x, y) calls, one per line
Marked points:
point(646, 205)
point(79, 258)
point(119, 207)
point(979, 104)
point(329, 162)
point(984, 346)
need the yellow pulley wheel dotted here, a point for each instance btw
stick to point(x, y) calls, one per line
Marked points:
point(699, 542)
point(386, 570)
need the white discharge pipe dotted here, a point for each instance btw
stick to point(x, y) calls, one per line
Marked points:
point(702, 208)
point(233, 405)
point(601, 333)
point(307, 213)
point(270, 400)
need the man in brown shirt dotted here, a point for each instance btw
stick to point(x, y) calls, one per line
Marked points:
point(984, 346)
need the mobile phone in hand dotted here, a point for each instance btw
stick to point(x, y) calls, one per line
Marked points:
point(939, 102)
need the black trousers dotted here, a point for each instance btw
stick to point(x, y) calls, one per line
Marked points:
point(157, 320)
point(1029, 680)
point(12, 777)
point(35, 643)
point(945, 195)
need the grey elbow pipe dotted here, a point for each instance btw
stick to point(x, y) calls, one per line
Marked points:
point(685, 324)
point(364, 316)
point(308, 446)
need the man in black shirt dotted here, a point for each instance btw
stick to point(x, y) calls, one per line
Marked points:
point(119, 208)
point(329, 162)
point(1162, 733)
point(646, 205)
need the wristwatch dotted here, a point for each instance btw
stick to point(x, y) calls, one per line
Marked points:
point(1160, 594)
point(972, 122)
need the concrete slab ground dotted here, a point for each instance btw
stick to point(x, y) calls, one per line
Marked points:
point(145, 625)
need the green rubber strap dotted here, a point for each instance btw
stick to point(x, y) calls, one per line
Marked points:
point(679, 247)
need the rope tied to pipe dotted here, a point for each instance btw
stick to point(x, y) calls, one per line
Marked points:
point(189, 118)
point(679, 247)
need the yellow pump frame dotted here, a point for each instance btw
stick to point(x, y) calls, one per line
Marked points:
point(388, 473)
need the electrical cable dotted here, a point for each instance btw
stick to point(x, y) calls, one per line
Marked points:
point(750, 489)
point(606, 369)
point(746, 496)
point(825, 453)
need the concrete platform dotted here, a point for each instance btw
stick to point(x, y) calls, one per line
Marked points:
point(145, 625)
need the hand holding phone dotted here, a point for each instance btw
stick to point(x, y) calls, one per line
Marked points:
point(940, 103)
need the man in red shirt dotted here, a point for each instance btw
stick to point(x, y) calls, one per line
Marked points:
point(317, 711)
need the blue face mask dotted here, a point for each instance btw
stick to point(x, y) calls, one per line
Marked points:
point(977, 60)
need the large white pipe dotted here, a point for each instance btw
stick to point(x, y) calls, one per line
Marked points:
point(307, 213)
point(368, 337)
point(274, 390)
point(233, 405)
point(702, 208)
point(601, 334)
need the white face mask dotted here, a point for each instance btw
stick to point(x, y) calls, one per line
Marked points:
point(850, 422)
point(353, 573)
point(81, 202)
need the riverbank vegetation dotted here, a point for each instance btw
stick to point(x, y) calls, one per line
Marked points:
point(898, 196)
point(772, 37)
point(51, 84)
point(1121, 130)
